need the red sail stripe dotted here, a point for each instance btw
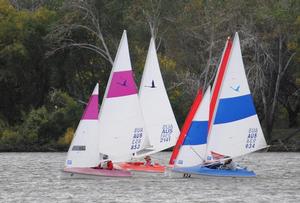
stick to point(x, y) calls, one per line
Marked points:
point(186, 126)
point(219, 80)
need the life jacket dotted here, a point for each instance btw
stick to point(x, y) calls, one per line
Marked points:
point(110, 165)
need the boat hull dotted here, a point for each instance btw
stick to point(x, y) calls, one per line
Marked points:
point(140, 167)
point(204, 171)
point(97, 172)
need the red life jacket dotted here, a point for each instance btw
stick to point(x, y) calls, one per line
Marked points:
point(110, 165)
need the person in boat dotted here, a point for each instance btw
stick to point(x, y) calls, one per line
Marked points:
point(107, 165)
point(148, 161)
point(110, 165)
point(229, 165)
point(215, 165)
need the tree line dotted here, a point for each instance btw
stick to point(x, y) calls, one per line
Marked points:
point(52, 52)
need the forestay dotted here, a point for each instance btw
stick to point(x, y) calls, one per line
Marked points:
point(193, 150)
point(121, 124)
point(84, 146)
point(160, 123)
point(235, 129)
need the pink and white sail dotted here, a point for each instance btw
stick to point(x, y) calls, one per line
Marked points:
point(121, 125)
point(83, 151)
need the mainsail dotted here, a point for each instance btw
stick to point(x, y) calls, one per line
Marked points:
point(160, 123)
point(121, 125)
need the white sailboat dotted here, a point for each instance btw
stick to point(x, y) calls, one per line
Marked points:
point(160, 124)
point(234, 129)
point(117, 132)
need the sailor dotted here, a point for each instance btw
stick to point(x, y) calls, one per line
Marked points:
point(229, 165)
point(148, 161)
point(110, 165)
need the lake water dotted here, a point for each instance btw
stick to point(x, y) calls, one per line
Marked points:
point(37, 177)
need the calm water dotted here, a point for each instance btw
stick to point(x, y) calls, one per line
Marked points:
point(37, 177)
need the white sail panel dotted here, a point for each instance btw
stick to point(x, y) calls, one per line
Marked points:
point(83, 151)
point(121, 124)
point(236, 129)
point(160, 123)
point(193, 150)
point(230, 144)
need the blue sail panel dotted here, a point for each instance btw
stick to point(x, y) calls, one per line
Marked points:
point(197, 133)
point(234, 109)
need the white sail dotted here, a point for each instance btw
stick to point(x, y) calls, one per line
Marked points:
point(235, 129)
point(121, 125)
point(160, 123)
point(84, 146)
point(193, 150)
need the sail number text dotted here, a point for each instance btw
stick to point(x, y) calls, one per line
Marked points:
point(251, 139)
point(166, 133)
point(137, 138)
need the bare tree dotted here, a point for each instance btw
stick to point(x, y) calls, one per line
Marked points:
point(31, 5)
point(82, 17)
point(265, 71)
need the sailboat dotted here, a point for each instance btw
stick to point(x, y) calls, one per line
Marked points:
point(117, 132)
point(233, 127)
point(160, 124)
point(83, 152)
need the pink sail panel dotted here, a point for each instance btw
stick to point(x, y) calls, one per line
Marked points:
point(122, 84)
point(91, 111)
